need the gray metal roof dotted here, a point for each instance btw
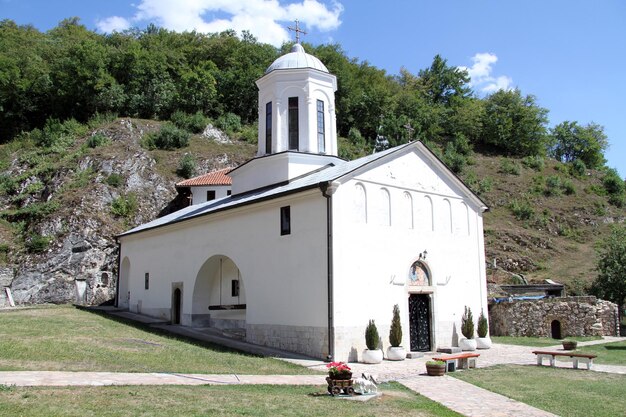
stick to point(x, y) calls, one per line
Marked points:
point(325, 174)
point(314, 179)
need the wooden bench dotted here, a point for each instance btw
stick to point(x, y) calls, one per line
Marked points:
point(575, 357)
point(465, 360)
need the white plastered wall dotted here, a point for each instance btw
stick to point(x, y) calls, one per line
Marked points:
point(372, 261)
point(284, 276)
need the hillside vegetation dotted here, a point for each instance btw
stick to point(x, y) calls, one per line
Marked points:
point(97, 129)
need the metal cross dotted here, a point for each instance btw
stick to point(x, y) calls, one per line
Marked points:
point(297, 30)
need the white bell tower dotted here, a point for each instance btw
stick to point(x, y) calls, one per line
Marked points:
point(297, 124)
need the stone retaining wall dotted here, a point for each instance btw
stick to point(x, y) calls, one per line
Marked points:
point(575, 316)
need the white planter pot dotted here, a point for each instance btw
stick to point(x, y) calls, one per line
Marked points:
point(483, 342)
point(372, 356)
point(467, 344)
point(396, 353)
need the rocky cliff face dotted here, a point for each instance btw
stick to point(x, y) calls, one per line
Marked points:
point(79, 263)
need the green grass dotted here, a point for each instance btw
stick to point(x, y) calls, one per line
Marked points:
point(242, 400)
point(565, 392)
point(609, 353)
point(68, 339)
point(538, 341)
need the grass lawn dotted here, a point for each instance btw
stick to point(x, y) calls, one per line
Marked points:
point(609, 353)
point(565, 392)
point(538, 341)
point(63, 338)
point(242, 400)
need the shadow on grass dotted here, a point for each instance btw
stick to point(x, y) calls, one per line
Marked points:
point(615, 347)
point(164, 333)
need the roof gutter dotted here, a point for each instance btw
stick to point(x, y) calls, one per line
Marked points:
point(328, 189)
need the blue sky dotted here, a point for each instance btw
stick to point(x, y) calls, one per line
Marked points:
point(570, 54)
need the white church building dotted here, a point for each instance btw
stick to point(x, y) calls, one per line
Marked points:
point(308, 247)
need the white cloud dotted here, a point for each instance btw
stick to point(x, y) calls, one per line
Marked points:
point(481, 76)
point(265, 19)
point(112, 24)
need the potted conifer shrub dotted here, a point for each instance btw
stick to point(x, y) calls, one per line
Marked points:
point(467, 328)
point(483, 341)
point(395, 352)
point(372, 354)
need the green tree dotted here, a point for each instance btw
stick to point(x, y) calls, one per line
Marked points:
point(514, 124)
point(441, 82)
point(571, 142)
point(611, 281)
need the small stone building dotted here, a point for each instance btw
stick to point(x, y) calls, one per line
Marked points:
point(554, 317)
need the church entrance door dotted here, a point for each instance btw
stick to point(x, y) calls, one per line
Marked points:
point(419, 322)
point(176, 306)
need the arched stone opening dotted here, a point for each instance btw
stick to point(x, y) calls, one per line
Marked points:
point(556, 332)
point(123, 294)
point(219, 298)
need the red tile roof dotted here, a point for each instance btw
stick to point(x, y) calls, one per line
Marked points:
point(212, 178)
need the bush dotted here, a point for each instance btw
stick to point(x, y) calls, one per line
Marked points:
point(553, 186)
point(510, 167)
point(467, 323)
point(372, 340)
point(229, 123)
point(97, 139)
point(522, 210)
point(56, 133)
point(615, 188)
point(568, 187)
point(114, 180)
point(454, 160)
point(395, 333)
point(124, 205)
point(37, 243)
point(483, 325)
point(194, 123)
point(168, 137)
point(8, 185)
point(250, 133)
point(578, 168)
point(187, 166)
point(535, 162)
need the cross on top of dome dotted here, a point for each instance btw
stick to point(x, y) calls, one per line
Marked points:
point(297, 30)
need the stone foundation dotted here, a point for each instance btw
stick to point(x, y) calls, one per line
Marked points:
point(576, 316)
point(306, 340)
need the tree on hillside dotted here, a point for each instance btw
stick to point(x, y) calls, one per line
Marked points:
point(440, 82)
point(514, 124)
point(570, 142)
point(611, 282)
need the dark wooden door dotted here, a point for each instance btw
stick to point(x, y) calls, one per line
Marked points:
point(419, 322)
point(176, 315)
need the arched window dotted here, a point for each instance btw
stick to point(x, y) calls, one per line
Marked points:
point(446, 218)
point(384, 206)
point(407, 211)
point(360, 204)
point(465, 226)
point(427, 219)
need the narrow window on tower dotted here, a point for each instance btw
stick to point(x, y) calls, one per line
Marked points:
point(321, 142)
point(268, 128)
point(293, 124)
point(285, 220)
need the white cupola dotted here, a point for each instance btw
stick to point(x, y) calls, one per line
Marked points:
point(297, 124)
point(297, 106)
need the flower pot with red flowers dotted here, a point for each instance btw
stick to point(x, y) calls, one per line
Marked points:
point(339, 378)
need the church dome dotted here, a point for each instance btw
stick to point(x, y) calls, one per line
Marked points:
point(297, 58)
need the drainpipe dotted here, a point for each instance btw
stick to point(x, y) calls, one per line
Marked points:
point(328, 189)
point(119, 270)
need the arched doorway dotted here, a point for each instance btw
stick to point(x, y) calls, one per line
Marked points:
point(176, 305)
point(420, 306)
point(123, 293)
point(555, 329)
point(219, 298)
